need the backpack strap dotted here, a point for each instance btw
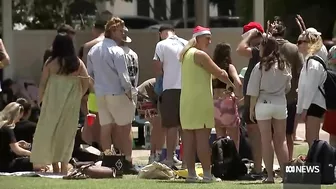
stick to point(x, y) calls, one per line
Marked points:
point(321, 61)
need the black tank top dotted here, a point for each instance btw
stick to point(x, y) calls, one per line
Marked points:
point(217, 84)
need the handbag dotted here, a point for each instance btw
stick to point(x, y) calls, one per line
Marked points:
point(90, 170)
point(114, 161)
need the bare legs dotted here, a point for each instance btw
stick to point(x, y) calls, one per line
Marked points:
point(313, 125)
point(290, 145)
point(189, 151)
point(279, 141)
point(265, 127)
point(64, 168)
point(197, 141)
point(157, 135)
point(255, 141)
point(291, 138)
point(125, 140)
point(105, 136)
point(203, 150)
point(172, 134)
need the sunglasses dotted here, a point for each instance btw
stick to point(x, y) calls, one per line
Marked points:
point(299, 42)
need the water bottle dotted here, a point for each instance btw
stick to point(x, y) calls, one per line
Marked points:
point(147, 134)
point(178, 151)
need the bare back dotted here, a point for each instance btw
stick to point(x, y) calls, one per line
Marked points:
point(53, 67)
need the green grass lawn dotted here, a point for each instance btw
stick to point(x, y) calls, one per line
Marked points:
point(129, 182)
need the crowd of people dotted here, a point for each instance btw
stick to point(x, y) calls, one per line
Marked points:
point(192, 91)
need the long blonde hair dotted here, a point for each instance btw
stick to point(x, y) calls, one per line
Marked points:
point(315, 42)
point(10, 113)
point(191, 43)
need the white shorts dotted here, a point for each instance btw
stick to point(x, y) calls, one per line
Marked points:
point(267, 111)
point(116, 109)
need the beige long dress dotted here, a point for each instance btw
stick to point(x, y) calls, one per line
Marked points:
point(56, 129)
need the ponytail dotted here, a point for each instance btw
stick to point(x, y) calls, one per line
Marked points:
point(191, 43)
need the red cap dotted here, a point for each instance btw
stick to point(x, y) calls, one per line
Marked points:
point(199, 30)
point(253, 25)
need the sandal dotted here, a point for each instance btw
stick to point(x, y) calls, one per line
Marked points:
point(75, 175)
point(78, 173)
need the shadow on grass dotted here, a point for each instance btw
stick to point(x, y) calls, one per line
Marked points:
point(181, 181)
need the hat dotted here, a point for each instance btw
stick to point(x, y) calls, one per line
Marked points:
point(65, 28)
point(242, 72)
point(199, 30)
point(253, 25)
point(164, 27)
point(126, 38)
point(313, 31)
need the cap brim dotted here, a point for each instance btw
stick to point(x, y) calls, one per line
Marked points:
point(128, 40)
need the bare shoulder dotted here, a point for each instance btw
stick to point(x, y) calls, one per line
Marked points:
point(232, 67)
point(201, 55)
point(81, 63)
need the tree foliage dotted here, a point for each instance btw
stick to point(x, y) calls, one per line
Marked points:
point(48, 14)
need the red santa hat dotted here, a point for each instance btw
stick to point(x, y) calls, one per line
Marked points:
point(199, 30)
point(253, 25)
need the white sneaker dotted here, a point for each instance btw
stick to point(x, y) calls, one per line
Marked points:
point(176, 160)
point(193, 179)
point(211, 179)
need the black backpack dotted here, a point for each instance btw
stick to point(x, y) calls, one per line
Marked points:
point(226, 162)
point(329, 85)
point(325, 155)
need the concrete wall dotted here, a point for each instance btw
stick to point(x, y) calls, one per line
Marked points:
point(29, 47)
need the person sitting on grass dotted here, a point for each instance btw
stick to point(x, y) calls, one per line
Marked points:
point(14, 155)
point(25, 129)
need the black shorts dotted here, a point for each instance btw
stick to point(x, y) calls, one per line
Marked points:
point(315, 111)
point(291, 114)
point(246, 113)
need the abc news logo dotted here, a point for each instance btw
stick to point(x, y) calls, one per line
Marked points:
point(303, 169)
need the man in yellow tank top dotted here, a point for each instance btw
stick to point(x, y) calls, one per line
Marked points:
point(196, 102)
